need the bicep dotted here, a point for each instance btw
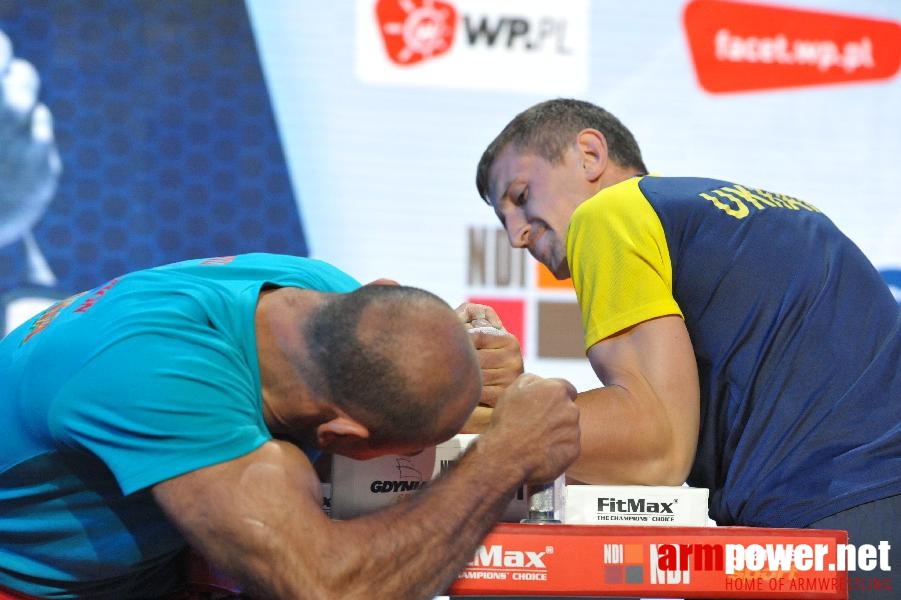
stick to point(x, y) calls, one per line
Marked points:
point(658, 351)
point(654, 363)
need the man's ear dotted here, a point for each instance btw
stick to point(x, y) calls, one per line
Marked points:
point(592, 146)
point(341, 431)
point(383, 281)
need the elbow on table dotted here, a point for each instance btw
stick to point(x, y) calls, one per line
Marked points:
point(664, 468)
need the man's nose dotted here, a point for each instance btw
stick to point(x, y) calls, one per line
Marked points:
point(518, 231)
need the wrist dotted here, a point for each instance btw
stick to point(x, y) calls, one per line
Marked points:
point(487, 448)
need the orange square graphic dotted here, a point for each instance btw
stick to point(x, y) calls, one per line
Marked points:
point(633, 554)
point(547, 281)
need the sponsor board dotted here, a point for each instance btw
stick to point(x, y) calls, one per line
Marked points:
point(738, 47)
point(362, 486)
point(683, 562)
point(660, 506)
point(526, 46)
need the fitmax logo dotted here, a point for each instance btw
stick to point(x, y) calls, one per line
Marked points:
point(417, 30)
point(497, 557)
point(634, 505)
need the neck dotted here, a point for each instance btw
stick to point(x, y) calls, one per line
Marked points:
point(290, 405)
point(614, 174)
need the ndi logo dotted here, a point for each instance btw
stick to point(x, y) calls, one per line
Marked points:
point(539, 310)
point(624, 563)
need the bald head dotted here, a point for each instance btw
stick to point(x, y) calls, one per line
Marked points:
point(398, 360)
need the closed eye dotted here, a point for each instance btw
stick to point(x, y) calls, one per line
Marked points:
point(522, 197)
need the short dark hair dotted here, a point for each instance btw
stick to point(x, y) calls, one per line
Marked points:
point(548, 128)
point(365, 378)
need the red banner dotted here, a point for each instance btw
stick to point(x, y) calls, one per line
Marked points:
point(683, 562)
point(740, 47)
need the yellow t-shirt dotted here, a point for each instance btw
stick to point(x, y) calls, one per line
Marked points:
point(619, 261)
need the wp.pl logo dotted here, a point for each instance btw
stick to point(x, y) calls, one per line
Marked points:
point(505, 45)
point(416, 30)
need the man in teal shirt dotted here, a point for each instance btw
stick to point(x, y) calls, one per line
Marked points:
point(184, 405)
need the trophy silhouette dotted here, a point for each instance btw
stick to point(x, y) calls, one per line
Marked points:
point(30, 166)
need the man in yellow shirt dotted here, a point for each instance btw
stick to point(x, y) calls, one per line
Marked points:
point(745, 344)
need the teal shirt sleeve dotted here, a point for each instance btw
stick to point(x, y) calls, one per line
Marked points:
point(155, 406)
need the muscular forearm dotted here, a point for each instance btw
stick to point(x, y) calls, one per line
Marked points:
point(624, 440)
point(258, 516)
point(411, 550)
point(627, 438)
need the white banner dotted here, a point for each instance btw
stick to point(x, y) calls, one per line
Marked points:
point(515, 45)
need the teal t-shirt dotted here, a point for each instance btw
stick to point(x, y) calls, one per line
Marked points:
point(106, 393)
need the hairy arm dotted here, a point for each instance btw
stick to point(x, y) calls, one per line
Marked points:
point(259, 519)
point(642, 427)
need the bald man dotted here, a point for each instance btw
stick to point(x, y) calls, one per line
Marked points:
point(183, 406)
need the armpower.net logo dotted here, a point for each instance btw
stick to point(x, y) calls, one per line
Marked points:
point(738, 47)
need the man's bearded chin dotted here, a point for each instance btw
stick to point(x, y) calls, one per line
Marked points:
point(560, 270)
